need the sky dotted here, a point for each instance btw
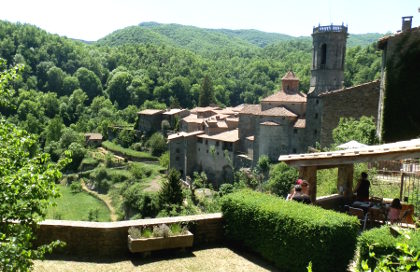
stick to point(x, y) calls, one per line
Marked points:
point(93, 19)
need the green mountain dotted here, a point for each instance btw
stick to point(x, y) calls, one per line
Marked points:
point(207, 41)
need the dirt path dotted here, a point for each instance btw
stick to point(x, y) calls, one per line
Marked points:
point(154, 185)
point(105, 199)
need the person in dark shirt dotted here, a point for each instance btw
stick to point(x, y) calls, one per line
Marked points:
point(299, 196)
point(362, 188)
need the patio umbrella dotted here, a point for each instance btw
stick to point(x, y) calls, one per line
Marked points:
point(351, 145)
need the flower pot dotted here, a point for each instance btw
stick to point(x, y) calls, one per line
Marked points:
point(158, 243)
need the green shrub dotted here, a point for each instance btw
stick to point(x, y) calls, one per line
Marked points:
point(76, 187)
point(282, 177)
point(157, 144)
point(381, 242)
point(288, 233)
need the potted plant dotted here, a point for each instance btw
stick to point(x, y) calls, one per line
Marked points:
point(159, 237)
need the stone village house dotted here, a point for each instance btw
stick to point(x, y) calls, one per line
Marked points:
point(218, 141)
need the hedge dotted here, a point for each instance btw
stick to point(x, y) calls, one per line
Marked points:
point(383, 243)
point(288, 233)
point(127, 152)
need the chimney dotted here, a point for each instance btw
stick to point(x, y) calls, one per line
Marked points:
point(406, 23)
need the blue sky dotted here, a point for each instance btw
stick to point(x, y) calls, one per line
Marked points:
point(93, 19)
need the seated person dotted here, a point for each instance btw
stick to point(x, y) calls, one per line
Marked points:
point(299, 196)
point(362, 188)
point(394, 210)
point(292, 190)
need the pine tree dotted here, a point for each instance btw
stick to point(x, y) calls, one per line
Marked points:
point(206, 93)
point(171, 192)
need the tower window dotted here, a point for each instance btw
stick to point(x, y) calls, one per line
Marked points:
point(316, 115)
point(317, 101)
point(315, 132)
point(323, 54)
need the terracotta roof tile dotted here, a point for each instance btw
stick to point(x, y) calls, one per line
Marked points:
point(278, 111)
point(251, 109)
point(184, 134)
point(290, 76)
point(227, 136)
point(150, 112)
point(282, 96)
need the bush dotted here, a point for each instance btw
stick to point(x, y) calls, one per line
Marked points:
point(157, 144)
point(76, 187)
point(381, 242)
point(282, 177)
point(288, 233)
point(171, 191)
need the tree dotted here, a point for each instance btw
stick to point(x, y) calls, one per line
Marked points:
point(282, 177)
point(362, 130)
point(157, 144)
point(171, 191)
point(118, 89)
point(55, 77)
point(206, 93)
point(89, 83)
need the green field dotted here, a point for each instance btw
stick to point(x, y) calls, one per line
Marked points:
point(128, 152)
point(76, 206)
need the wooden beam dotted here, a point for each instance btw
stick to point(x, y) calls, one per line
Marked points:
point(309, 174)
point(345, 180)
point(351, 159)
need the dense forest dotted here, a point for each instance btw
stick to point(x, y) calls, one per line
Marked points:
point(70, 86)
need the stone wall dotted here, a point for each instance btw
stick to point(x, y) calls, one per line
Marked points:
point(110, 238)
point(358, 101)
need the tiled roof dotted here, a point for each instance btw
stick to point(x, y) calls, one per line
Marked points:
point(251, 109)
point(192, 118)
point(372, 84)
point(150, 112)
point(269, 123)
point(173, 111)
point(94, 136)
point(383, 41)
point(227, 136)
point(290, 76)
point(204, 109)
point(300, 123)
point(282, 96)
point(183, 134)
point(278, 111)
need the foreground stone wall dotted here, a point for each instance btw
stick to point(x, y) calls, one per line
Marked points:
point(110, 238)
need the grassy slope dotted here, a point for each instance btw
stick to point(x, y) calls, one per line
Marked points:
point(76, 206)
point(126, 151)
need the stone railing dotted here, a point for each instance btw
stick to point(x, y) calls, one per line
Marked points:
point(330, 28)
point(110, 238)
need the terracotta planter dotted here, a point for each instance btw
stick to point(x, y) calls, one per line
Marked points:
point(158, 243)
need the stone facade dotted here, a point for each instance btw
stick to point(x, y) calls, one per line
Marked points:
point(285, 122)
point(355, 102)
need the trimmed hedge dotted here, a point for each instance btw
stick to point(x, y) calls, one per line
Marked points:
point(383, 243)
point(288, 233)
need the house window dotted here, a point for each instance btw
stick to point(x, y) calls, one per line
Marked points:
point(207, 151)
point(217, 153)
point(217, 143)
point(317, 101)
point(323, 54)
point(315, 132)
point(294, 150)
point(207, 142)
point(200, 140)
point(177, 158)
point(316, 115)
point(177, 150)
point(295, 131)
point(198, 149)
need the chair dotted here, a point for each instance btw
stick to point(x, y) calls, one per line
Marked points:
point(360, 214)
point(377, 216)
point(376, 200)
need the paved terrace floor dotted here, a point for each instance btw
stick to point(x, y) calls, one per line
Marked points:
point(204, 259)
